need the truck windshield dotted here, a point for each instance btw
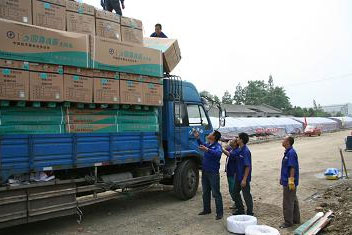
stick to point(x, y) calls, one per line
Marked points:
point(196, 115)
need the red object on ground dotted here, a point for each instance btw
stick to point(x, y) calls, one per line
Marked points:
point(312, 131)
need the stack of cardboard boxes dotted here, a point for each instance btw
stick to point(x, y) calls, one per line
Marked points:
point(62, 50)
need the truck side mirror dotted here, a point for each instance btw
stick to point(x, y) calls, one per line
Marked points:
point(222, 118)
point(222, 122)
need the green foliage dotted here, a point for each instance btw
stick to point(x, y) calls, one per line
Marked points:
point(227, 99)
point(259, 92)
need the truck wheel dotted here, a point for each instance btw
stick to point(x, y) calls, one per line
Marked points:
point(186, 180)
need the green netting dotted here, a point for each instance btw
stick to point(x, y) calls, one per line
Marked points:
point(32, 129)
point(31, 116)
point(91, 119)
point(134, 127)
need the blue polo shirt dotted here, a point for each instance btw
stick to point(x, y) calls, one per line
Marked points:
point(230, 167)
point(289, 160)
point(211, 158)
point(243, 160)
point(155, 35)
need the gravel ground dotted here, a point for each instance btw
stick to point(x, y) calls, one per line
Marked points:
point(157, 211)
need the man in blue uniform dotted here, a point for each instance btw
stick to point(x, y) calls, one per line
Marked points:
point(289, 180)
point(158, 33)
point(243, 176)
point(210, 172)
point(110, 5)
point(232, 152)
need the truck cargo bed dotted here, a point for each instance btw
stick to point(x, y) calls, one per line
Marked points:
point(32, 153)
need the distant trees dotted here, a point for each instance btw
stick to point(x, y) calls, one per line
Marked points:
point(259, 92)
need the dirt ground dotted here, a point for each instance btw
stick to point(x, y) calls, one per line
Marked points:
point(157, 211)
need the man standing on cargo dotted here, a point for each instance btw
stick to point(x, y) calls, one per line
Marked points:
point(243, 176)
point(210, 172)
point(158, 33)
point(110, 5)
point(289, 181)
point(232, 152)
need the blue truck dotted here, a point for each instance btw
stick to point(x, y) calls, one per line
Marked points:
point(95, 167)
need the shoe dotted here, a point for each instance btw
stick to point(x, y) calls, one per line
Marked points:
point(285, 225)
point(204, 213)
point(218, 217)
point(238, 213)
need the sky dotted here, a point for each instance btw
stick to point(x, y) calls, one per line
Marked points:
point(306, 45)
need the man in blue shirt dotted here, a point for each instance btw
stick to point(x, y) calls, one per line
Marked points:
point(210, 172)
point(158, 33)
point(243, 176)
point(110, 5)
point(232, 152)
point(289, 180)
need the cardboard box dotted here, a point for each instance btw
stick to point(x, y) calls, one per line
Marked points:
point(91, 119)
point(132, 23)
point(92, 128)
point(78, 71)
point(131, 30)
point(106, 91)
point(107, 15)
point(49, 15)
point(80, 8)
point(48, 68)
point(16, 10)
point(46, 87)
point(41, 45)
point(113, 55)
point(15, 64)
point(170, 49)
point(108, 29)
point(57, 2)
point(106, 74)
point(78, 88)
point(141, 78)
point(131, 35)
point(131, 92)
point(80, 23)
point(153, 94)
point(14, 84)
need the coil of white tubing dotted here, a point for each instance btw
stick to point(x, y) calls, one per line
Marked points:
point(261, 230)
point(239, 223)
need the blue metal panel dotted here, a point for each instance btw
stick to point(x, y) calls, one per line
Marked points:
point(26, 153)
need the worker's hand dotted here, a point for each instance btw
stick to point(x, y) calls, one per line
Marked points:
point(203, 148)
point(244, 183)
point(196, 134)
point(291, 183)
point(123, 5)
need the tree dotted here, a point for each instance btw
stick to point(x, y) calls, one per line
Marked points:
point(238, 98)
point(209, 97)
point(227, 99)
point(255, 92)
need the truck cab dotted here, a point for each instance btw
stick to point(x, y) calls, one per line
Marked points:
point(182, 113)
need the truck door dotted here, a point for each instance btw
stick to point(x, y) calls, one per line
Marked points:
point(189, 116)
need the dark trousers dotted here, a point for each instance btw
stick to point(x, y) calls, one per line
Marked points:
point(246, 191)
point(211, 184)
point(291, 207)
point(113, 5)
point(231, 183)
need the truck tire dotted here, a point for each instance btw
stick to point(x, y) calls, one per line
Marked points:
point(186, 180)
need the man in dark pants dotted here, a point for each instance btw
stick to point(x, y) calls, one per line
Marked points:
point(232, 152)
point(158, 33)
point(289, 181)
point(110, 5)
point(210, 173)
point(243, 176)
